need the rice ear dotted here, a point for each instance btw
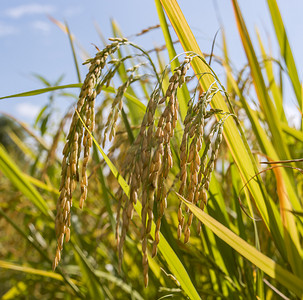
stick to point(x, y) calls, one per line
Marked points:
point(76, 138)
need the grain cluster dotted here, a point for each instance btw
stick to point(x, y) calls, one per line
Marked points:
point(149, 160)
point(77, 139)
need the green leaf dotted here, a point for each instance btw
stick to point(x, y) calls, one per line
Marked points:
point(297, 134)
point(285, 49)
point(70, 38)
point(42, 79)
point(16, 176)
point(103, 185)
point(267, 265)
point(183, 94)
point(29, 270)
point(88, 274)
point(273, 85)
point(17, 290)
point(285, 183)
point(42, 91)
point(40, 115)
point(41, 185)
point(133, 99)
point(120, 283)
point(32, 242)
point(271, 115)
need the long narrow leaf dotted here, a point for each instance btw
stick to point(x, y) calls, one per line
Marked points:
point(132, 98)
point(290, 231)
point(15, 175)
point(273, 85)
point(183, 94)
point(41, 252)
point(264, 99)
point(260, 260)
point(292, 246)
point(42, 91)
point(88, 274)
point(73, 52)
point(29, 270)
point(285, 49)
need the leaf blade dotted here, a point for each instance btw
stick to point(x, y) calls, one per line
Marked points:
point(263, 262)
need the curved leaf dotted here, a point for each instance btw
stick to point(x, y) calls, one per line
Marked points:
point(69, 86)
point(42, 91)
point(21, 182)
point(260, 260)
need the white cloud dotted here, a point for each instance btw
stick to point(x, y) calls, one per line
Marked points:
point(73, 11)
point(29, 9)
point(42, 26)
point(28, 110)
point(7, 29)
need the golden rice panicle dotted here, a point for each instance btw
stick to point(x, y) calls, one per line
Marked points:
point(190, 160)
point(129, 167)
point(132, 166)
point(136, 165)
point(183, 167)
point(117, 105)
point(195, 134)
point(120, 142)
point(125, 221)
point(144, 169)
point(162, 160)
point(72, 148)
point(147, 165)
point(194, 161)
point(214, 154)
point(207, 170)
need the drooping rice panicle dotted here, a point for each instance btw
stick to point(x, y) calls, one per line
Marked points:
point(149, 164)
point(72, 149)
point(191, 161)
point(116, 106)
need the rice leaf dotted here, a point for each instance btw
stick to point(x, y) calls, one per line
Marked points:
point(17, 290)
point(273, 86)
point(73, 52)
point(183, 94)
point(15, 175)
point(285, 49)
point(133, 99)
point(266, 104)
point(29, 270)
point(42, 91)
point(271, 268)
point(292, 244)
point(88, 275)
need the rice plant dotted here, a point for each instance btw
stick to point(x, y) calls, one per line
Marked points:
point(155, 185)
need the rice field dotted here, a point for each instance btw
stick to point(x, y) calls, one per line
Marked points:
point(162, 180)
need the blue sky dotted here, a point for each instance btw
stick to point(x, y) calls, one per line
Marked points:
point(31, 43)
